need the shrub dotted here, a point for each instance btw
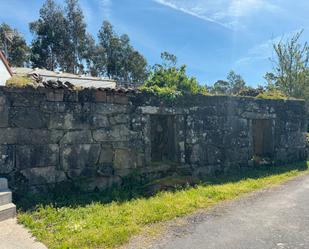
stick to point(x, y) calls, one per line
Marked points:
point(272, 94)
point(169, 81)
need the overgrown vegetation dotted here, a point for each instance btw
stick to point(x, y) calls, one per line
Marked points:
point(272, 93)
point(233, 85)
point(61, 41)
point(167, 80)
point(19, 81)
point(89, 221)
point(291, 71)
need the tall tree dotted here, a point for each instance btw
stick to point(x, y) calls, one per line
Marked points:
point(221, 87)
point(12, 43)
point(236, 82)
point(233, 85)
point(109, 43)
point(93, 55)
point(119, 60)
point(77, 37)
point(291, 67)
point(50, 37)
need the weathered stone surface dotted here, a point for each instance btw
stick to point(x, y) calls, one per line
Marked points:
point(79, 156)
point(55, 95)
point(121, 99)
point(103, 108)
point(254, 115)
point(4, 112)
point(102, 136)
point(99, 121)
point(105, 169)
point(116, 133)
point(28, 156)
point(7, 158)
point(106, 155)
point(24, 98)
point(100, 96)
point(27, 117)
point(119, 119)
point(70, 96)
point(68, 121)
point(43, 175)
point(29, 136)
point(77, 137)
point(124, 159)
point(63, 107)
point(293, 140)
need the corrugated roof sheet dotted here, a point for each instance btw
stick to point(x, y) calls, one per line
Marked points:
point(78, 80)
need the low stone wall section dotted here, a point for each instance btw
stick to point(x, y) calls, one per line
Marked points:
point(50, 136)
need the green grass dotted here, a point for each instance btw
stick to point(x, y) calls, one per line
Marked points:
point(79, 222)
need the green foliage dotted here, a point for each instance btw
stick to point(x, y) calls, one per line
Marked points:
point(220, 87)
point(62, 42)
point(118, 59)
point(169, 81)
point(98, 225)
point(291, 71)
point(50, 37)
point(77, 38)
point(252, 92)
point(234, 85)
point(59, 38)
point(14, 44)
point(272, 93)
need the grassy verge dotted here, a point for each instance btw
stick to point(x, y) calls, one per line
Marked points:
point(108, 225)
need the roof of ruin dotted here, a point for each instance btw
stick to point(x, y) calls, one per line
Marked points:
point(72, 78)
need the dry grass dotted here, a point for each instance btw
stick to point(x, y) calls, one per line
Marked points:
point(19, 81)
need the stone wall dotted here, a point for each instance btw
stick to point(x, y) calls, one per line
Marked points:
point(99, 137)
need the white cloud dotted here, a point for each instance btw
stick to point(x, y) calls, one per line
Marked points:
point(194, 11)
point(227, 13)
point(264, 50)
point(106, 8)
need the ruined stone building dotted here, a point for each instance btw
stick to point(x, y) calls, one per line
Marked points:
point(49, 136)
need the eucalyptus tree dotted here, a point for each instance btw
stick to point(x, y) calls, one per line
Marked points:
point(13, 44)
point(78, 38)
point(118, 58)
point(50, 37)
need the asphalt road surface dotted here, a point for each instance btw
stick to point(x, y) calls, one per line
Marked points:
point(277, 218)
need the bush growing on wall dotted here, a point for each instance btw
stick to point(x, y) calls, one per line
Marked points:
point(170, 81)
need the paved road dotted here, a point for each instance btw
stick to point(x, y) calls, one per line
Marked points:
point(273, 219)
point(15, 236)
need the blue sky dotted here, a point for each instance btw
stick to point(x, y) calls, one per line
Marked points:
point(210, 36)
